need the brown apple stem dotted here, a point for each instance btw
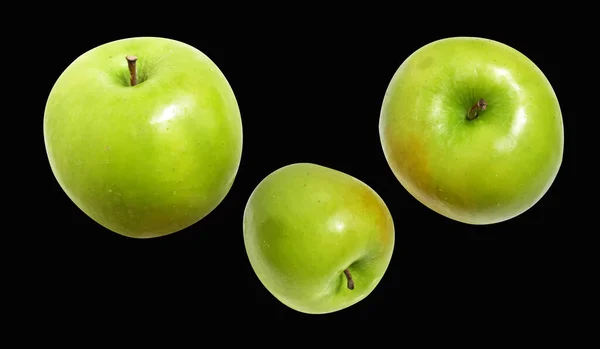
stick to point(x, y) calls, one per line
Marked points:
point(132, 71)
point(349, 277)
point(473, 112)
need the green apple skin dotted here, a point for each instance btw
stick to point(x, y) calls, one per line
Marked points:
point(304, 224)
point(147, 160)
point(481, 171)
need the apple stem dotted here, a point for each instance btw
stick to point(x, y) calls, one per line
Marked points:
point(473, 112)
point(132, 71)
point(349, 277)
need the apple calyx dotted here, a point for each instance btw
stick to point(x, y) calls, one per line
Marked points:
point(349, 277)
point(132, 71)
point(473, 112)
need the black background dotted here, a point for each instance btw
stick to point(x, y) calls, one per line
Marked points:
point(309, 90)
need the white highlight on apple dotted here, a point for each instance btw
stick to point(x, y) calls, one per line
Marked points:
point(171, 111)
point(165, 115)
point(519, 119)
point(502, 72)
point(336, 224)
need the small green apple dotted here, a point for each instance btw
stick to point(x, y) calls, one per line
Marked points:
point(144, 135)
point(318, 239)
point(472, 129)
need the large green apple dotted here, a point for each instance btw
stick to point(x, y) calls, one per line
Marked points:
point(144, 135)
point(472, 129)
point(318, 239)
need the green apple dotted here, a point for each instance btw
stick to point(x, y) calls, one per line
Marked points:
point(472, 129)
point(144, 135)
point(318, 239)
